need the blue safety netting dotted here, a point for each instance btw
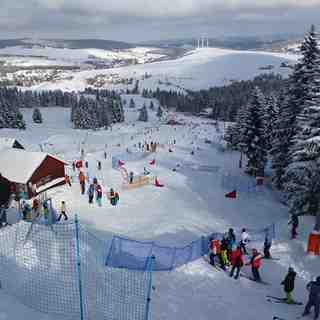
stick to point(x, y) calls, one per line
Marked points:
point(132, 254)
point(39, 266)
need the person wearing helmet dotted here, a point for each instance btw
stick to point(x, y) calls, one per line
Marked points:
point(244, 240)
point(236, 261)
point(314, 298)
point(224, 249)
point(288, 284)
point(255, 263)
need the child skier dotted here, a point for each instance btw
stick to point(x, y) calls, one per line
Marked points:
point(82, 180)
point(236, 261)
point(314, 298)
point(131, 175)
point(288, 284)
point(266, 248)
point(224, 249)
point(99, 195)
point(214, 250)
point(255, 263)
point(294, 221)
point(63, 211)
point(91, 193)
point(244, 240)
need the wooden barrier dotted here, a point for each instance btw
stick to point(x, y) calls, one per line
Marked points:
point(138, 182)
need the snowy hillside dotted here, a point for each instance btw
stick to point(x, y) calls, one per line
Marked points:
point(198, 69)
point(47, 56)
point(191, 203)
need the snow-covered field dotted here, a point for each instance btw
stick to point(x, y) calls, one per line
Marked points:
point(199, 69)
point(64, 56)
point(191, 204)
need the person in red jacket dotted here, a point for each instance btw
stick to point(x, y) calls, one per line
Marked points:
point(236, 261)
point(255, 263)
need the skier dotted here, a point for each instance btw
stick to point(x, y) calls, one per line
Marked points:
point(294, 221)
point(131, 175)
point(99, 195)
point(45, 210)
point(288, 284)
point(99, 165)
point(224, 249)
point(67, 180)
point(244, 240)
point(91, 193)
point(214, 250)
point(73, 166)
point(86, 164)
point(255, 263)
point(266, 248)
point(314, 298)
point(231, 242)
point(35, 208)
point(63, 211)
point(236, 261)
point(105, 155)
point(82, 180)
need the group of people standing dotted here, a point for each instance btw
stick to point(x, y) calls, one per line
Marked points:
point(231, 253)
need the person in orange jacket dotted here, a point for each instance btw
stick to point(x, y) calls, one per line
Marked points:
point(236, 261)
point(255, 263)
point(82, 180)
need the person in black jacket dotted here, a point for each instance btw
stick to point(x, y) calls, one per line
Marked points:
point(314, 298)
point(295, 224)
point(288, 284)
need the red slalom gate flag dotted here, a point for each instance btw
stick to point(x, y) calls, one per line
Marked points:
point(232, 194)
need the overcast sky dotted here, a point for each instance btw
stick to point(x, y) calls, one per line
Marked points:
point(138, 20)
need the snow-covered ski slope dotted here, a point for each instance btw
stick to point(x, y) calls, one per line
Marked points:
point(191, 204)
point(199, 69)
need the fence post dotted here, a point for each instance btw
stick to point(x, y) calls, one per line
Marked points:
point(79, 268)
point(149, 269)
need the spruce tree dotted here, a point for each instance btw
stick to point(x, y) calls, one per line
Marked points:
point(132, 104)
point(253, 138)
point(159, 113)
point(302, 187)
point(143, 116)
point(37, 116)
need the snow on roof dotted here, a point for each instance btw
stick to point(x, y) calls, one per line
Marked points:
point(6, 142)
point(19, 165)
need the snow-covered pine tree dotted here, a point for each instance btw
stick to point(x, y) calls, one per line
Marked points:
point(37, 116)
point(270, 117)
point(10, 115)
point(281, 140)
point(159, 113)
point(253, 141)
point(84, 116)
point(117, 110)
point(302, 174)
point(132, 104)
point(143, 116)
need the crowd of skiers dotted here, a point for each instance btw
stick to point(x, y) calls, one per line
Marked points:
point(227, 252)
point(230, 253)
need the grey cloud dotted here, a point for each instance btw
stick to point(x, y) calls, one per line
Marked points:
point(135, 20)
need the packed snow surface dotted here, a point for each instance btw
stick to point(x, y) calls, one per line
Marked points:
point(191, 204)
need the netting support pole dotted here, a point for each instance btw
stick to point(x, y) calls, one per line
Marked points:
point(149, 269)
point(79, 268)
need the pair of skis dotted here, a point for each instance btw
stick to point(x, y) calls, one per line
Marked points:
point(283, 300)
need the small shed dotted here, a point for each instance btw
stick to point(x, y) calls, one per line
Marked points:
point(31, 173)
point(7, 143)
